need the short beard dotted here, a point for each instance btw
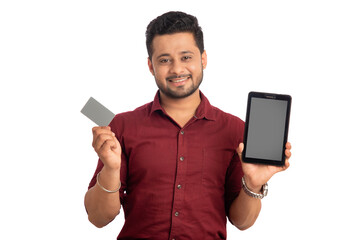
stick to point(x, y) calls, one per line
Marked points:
point(175, 95)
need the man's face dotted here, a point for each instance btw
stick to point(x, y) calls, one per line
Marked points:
point(177, 64)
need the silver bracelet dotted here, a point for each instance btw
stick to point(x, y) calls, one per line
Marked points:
point(264, 190)
point(98, 183)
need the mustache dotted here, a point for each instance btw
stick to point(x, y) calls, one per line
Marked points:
point(178, 76)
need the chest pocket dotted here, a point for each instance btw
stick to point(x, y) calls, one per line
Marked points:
point(215, 165)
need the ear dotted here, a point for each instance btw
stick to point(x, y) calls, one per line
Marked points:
point(204, 59)
point(150, 65)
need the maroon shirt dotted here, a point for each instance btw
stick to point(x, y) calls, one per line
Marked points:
point(177, 183)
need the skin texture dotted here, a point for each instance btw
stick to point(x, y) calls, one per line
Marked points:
point(176, 57)
point(102, 207)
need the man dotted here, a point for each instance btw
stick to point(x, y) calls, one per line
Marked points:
point(174, 164)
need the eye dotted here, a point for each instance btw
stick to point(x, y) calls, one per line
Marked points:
point(164, 60)
point(186, 58)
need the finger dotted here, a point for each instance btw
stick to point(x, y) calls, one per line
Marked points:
point(109, 144)
point(100, 140)
point(100, 127)
point(287, 153)
point(288, 145)
point(239, 150)
point(106, 150)
point(101, 130)
point(287, 164)
point(241, 146)
point(98, 137)
point(117, 142)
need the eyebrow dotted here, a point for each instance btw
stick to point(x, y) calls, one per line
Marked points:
point(168, 54)
point(163, 55)
point(186, 52)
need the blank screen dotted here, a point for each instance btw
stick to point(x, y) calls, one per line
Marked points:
point(266, 129)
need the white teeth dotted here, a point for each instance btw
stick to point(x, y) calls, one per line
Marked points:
point(180, 80)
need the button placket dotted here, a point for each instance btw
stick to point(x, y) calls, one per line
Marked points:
point(181, 169)
point(178, 185)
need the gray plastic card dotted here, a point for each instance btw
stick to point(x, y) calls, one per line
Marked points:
point(97, 113)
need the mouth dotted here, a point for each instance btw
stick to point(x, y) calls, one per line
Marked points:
point(178, 79)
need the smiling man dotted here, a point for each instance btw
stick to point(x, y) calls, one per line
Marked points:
point(177, 64)
point(175, 164)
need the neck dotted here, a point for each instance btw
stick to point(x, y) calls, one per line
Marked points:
point(181, 109)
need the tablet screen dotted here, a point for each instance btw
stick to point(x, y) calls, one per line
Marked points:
point(266, 127)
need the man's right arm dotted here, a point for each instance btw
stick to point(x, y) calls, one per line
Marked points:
point(102, 207)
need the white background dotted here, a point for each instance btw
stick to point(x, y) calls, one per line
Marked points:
point(54, 55)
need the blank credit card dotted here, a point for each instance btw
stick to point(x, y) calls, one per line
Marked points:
point(97, 113)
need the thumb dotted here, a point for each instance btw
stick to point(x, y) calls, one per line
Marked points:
point(240, 149)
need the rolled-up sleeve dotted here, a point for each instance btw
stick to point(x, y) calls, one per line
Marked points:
point(233, 182)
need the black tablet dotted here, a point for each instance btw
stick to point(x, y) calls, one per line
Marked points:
point(266, 128)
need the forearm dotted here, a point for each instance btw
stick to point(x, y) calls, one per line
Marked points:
point(244, 211)
point(102, 207)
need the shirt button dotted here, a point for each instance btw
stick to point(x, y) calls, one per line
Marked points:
point(182, 132)
point(176, 214)
point(179, 186)
point(181, 158)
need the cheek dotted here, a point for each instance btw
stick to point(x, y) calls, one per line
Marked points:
point(160, 72)
point(194, 68)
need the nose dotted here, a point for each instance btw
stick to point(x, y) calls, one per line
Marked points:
point(177, 68)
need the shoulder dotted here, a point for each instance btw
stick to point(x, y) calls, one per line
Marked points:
point(130, 118)
point(215, 113)
point(227, 117)
point(141, 111)
point(232, 125)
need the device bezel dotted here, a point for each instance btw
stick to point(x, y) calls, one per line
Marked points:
point(272, 96)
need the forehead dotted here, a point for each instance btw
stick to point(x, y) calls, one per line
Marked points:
point(174, 43)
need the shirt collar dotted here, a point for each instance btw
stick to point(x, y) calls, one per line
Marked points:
point(204, 110)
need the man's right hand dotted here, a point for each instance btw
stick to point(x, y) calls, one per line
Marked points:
point(102, 207)
point(107, 147)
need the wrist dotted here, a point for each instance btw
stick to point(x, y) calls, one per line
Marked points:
point(110, 171)
point(109, 179)
point(261, 195)
point(252, 187)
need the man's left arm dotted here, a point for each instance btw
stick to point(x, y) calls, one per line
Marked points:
point(245, 209)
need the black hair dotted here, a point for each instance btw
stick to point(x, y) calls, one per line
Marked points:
point(174, 22)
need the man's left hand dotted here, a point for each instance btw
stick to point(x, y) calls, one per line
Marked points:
point(256, 175)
